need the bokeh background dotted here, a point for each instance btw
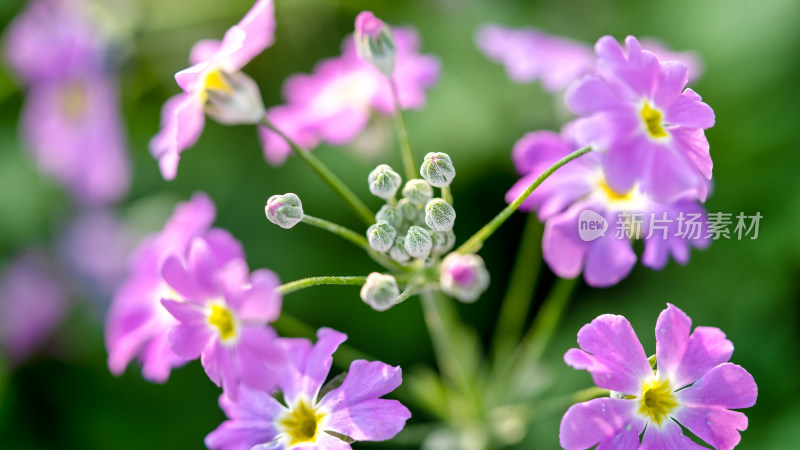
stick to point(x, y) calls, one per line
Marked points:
point(64, 396)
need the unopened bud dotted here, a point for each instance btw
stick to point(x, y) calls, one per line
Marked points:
point(463, 276)
point(439, 215)
point(284, 210)
point(437, 169)
point(233, 98)
point(384, 182)
point(411, 213)
point(380, 291)
point(398, 251)
point(443, 241)
point(391, 215)
point(381, 236)
point(418, 242)
point(374, 42)
point(418, 191)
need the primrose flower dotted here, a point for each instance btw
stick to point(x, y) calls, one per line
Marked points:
point(529, 54)
point(335, 102)
point(693, 386)
point(33, 302)
point(636, 110)
point(214, 85)
point(137, 324)
point(223, 318)
point(70, 120)
point(580, 192)
point(308, 418)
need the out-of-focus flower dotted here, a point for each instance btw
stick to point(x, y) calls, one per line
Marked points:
point(463, 276)
point(71, 118)
point(215, 85)
point(307, 419)
point(374, 42)
point(528, 55)
point(32, 303)
point(636, 110)
point(335, 102)
point(137, 324)
point(693, 386)
point(580, 186)
point(223, 312)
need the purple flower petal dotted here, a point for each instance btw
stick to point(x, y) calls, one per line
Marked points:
point(371, 420)
point(262, 303)
point(260, 358)
point(241, 434)
point(609, 423)
point(562, 248)
point(251, 36)
point(668, 436)
point(608, 260)
point(611, 352)
point(689, 111)
point(364, 381)
point(591, 95)
point(311, 364)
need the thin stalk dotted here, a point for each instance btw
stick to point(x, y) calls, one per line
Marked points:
point(516, 304)
point(547, 320)
point(294, 286)
point(323, 172)
point(402, 135)
point(474, 243)
point(447, 195)
point(353, 237)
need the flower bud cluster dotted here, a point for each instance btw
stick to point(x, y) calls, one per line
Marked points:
point(417, 226)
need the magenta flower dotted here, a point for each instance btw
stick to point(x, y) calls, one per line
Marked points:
point(693, 386)
point(582, 186)
point(307, 420)
point(637, 111)
point(335, 102)
point(215, 85)
point(223, 319)
point(528, 55)
point(71, 119)
point(137, 324)
point(33, 302)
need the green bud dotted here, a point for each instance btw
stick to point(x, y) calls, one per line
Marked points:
point(384, 182)
point(437, 169)
point(284, 210)
point(418, 242)
point(391, 215)
point(398, 251)
point(418, 191)
point(439, 215)
point(381, 236)
point(443, 241)
point(380, 291)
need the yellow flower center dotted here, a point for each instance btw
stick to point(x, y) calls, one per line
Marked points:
point(222, 318)
point(657, 400)
point(74, 101)
point(214, 80)
point(301, 423)
point(613, 195)
point(652, 121)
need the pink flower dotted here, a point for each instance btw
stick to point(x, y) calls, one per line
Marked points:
point(307, 419)
point(137, 324)
point(335, 102)
point(636, 110)
point(693, 386)
point(215, 85)
point(223, 313)
point(33, 302)
point(529, 54)
point(582, 185)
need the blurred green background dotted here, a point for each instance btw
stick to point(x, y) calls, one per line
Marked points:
point(65, 397)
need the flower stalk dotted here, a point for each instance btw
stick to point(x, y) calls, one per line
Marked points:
point(402, 135)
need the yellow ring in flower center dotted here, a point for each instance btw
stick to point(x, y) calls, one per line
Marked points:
point(657, 400)
point(652, 121)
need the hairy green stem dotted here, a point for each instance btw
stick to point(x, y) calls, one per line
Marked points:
point(294, 286)
point(447, 195)
point(474, 243)
point(355, 238)
point(402, 135)
point(323, 172)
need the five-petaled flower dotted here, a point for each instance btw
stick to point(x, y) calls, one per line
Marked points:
point(693, 386)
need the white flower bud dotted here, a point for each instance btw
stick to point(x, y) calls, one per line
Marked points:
point(418, 191)
point(380, 291)
point(384, 182)
point(374, 42)
point(463, 276)
point(439, 215)
point(443, 241)
point(398, 251)
point(418, 242)
point(381, 236)
point(233, 98)
point(391, 215)
point(411, 213)
point(437, 169)
point(284, 210)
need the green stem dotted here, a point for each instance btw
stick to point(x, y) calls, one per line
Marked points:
point(353, 237)
point(294, 286)
point(447, 195)
point(516, 304)
point(402, 135)
point(474, 243)
point(332, 180)
point(547, 320)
